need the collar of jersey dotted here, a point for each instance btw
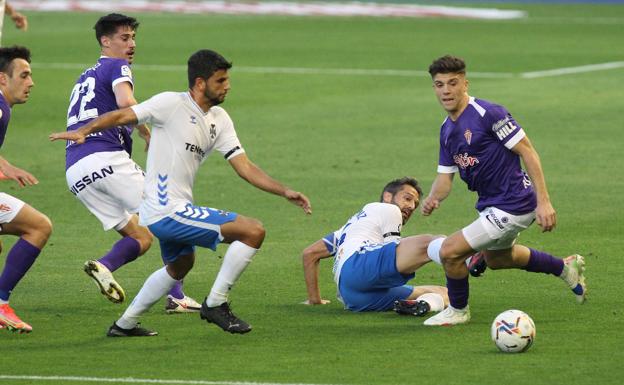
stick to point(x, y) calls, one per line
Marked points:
point(188, 95)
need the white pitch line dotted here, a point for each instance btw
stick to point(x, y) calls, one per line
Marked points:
point(572, 70)
point(280, 70)
point(354, 71)
point(130, 380)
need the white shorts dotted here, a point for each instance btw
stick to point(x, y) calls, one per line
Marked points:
point(109, 184)
point(496, 229)
point(9, 207)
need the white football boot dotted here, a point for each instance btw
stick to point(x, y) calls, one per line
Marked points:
point(574, 275)
point(449, 316)
point(104, 279)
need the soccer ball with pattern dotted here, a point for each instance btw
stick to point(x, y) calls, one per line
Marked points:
point(513, 331)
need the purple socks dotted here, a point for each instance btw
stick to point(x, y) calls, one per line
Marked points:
point(540, 262)
point(126, 250)
point(458, 290)
point(18, 261)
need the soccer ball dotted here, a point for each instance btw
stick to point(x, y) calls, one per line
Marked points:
point(513, 331)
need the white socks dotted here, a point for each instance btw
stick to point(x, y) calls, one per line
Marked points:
point(435, 301)
point(155, 287)
point(433, 250)
point(236, 259)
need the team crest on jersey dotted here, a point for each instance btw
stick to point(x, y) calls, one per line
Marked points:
point(468, 135)
point(125, 71)
point(193, 119)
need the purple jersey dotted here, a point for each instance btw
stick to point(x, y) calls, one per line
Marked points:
point(5, 116)
point(93, 96)
point(478, 145)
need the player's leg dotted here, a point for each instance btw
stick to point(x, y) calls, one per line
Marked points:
point(422, 300)
point(180, 258)
point(570, 269)
point(411, 253)
point(34, 229)
point(245, 236)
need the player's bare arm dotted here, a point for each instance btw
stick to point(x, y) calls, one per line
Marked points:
point(23, 178)
point(440, 189)
point(124, 97)
point(247, 170)
point(106, 121)
point(545, 214)
point(21, 22)
point(311, 257)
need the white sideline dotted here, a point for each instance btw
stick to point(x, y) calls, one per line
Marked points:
point(356, 71)
point(130, 380)
point(572, 70)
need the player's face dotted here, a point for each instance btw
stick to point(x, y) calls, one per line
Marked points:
point(217, 87)
point(407, 199)
point(121, 44)
point(19, 82)
point(452, 92)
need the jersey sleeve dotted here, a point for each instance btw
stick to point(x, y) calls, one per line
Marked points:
point(446, 165)
point(227, 142)
point(155, 109)
point(391, 221)
point(331, 242)
point(4, 122)
point(120, 72)
point(504, 127)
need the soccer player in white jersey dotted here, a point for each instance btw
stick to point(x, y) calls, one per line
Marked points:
point(186, 128)
point(101, 173)
point(482, 142)
point(16, 217)
point(372, 263)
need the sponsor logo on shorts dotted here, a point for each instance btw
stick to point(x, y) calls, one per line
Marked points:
point(495, 221)
point(5, 208)
point(93, 177)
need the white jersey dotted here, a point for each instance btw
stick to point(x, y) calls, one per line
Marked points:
point(182, 138)
point(376, 224)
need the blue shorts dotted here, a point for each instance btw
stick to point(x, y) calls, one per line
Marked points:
point(369, 280)
point(180, 232)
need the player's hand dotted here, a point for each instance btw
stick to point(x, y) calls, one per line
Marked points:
point(21, 22)
point(299, 199)
point(429, 205)
point(315, 302)
point(546, 216)
point(75, 136)
point(23, 178)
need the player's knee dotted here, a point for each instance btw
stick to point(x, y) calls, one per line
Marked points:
point(145, 240)
point(255, 234)
point(42, 229)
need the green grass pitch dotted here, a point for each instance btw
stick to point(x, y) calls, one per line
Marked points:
point(338, 138)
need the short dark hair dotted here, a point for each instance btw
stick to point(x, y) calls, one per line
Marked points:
point(396, 185)
point(447, 64)
point(8, 54)
point(107, 25)
point(204, 63)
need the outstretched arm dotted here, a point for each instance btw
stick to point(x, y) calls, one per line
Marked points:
point(247, 170)
point(311, 258)
point(108, 120)
point(440, 189)
point(546, 216)
point(21, 22)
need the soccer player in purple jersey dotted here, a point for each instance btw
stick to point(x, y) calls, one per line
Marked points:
point(17, 217)
point(101, 173)
point(484, 143)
